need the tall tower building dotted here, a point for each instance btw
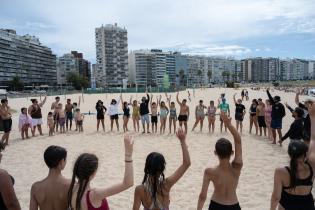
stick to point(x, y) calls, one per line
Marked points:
point(111, 55)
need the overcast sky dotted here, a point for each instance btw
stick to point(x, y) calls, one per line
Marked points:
point(239, 28)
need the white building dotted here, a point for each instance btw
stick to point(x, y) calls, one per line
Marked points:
point(111, 55)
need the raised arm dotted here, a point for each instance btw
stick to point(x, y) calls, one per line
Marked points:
point(289, 108)
point(79, 101)
point(297, 97)
point(43, 102)
point(171, 180)
point(238, 159)
point(130, 100)
point(122, 101)
point(234, 98)
point(168, 98)
point(148, 98)
point(127, 182)
point(270, 97)
point(177, 99)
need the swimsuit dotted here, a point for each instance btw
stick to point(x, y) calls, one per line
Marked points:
point(253, 110)
point(126, 111)
point(182, 118)
point(211, 111)
point(296, 202)
point(217, 206)
point(239, 112)
point(62, 121)
point(268, 115)
point(200, 112)
point(135, 111)
point(104, 205)
point(154, 205)
point(163, 113)
point(173, 114)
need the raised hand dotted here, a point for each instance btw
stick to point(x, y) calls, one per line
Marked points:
point(181, 135)
point(128, 144)
point(311, 109)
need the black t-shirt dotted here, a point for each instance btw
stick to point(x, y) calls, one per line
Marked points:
point(307, 121)
point(100, 110)
point(144, 106)
point(239, 108)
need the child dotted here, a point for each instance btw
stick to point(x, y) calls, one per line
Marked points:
point(61, 118)
point(79, 119)
point(25, 122)
point(76, 105)
point(154, 117)
point(50, 123)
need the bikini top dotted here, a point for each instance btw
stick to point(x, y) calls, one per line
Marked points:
point(302, 182)
point(154, 205)
point(173, 111)
point(104, 205)
point(211, 111)
point(126, 111)
point(163, 112)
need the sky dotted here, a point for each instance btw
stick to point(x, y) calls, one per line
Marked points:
point(230, 28)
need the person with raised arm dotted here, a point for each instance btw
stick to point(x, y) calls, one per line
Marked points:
point(126, 115)
point(76, 105)
point(225, 175)
point(183, 112)
point(224, 107)
point(36, 113)
point(173, 113)
point(154, 192)
point(293, 184)
point(135, 114)
point(8, 199)
point(306, 117)
point(100, 114)
point(113, 113)
point(144, 112)
point(81, 196)
point(277, 113)
point(240, 112)
point(51, 192)
point(54, 107)
point(200, 115)
point(163, 115)
point(154, 113)
point(6, 117)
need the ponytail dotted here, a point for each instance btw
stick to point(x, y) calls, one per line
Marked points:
point(293, 172)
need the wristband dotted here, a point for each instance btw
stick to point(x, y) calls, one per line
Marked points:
point(128, 161)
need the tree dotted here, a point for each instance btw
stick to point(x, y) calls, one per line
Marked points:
point(225, 75)
point(16, 83)
point(209, 74)
point(77, 81)
point(166, 82)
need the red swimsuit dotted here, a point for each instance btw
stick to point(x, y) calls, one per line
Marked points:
point(104, 205)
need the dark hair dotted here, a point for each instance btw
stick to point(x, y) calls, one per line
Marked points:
point(154, 168)
point(53, 155)
point(33, 100)
point(125, 104)
point(200, 101)
point(23, 109)
point(50, 113)
point(223, 148)
point(172, 102)
point(57, 97)
point(85, 165)
point(74, 103)
point(113, 101)
point(296, 150)
point(211, 101)
point(4, 100)
point(184, 100)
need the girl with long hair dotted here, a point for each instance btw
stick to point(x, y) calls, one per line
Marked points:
point(154, 192)
point(293, 184)
point(135, 114)
point(163, 115)
point(81, 196)
point(253, 116)
point(126, 115)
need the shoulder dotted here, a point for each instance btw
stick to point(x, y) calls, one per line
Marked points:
point(139, 190)
point(281, 171)
point(3, 173)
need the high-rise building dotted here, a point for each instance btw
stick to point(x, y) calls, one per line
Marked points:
point(111, 55)
point(72, 62)
point(26, 58)
point(148, 67)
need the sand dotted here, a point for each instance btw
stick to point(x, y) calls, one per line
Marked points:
point(23, 159)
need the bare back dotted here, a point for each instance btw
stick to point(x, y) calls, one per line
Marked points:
point(184, 110)
point(51, 193)
point(225, 181)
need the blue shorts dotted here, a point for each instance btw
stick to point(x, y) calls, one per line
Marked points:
point(276, 123)
point(145, 119)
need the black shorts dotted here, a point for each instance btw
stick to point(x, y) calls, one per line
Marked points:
point(100, 116)
point(261, 122)
point(154, 119)
point(80, 122)
point(7, 125)
point(239, 117)
point(114, 117)
point(69, 115)
point(182, 118)
point(216, 206)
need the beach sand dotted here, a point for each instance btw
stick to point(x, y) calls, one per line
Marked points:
point(23, 159)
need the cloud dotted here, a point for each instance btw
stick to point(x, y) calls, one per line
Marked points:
point(69, 25)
